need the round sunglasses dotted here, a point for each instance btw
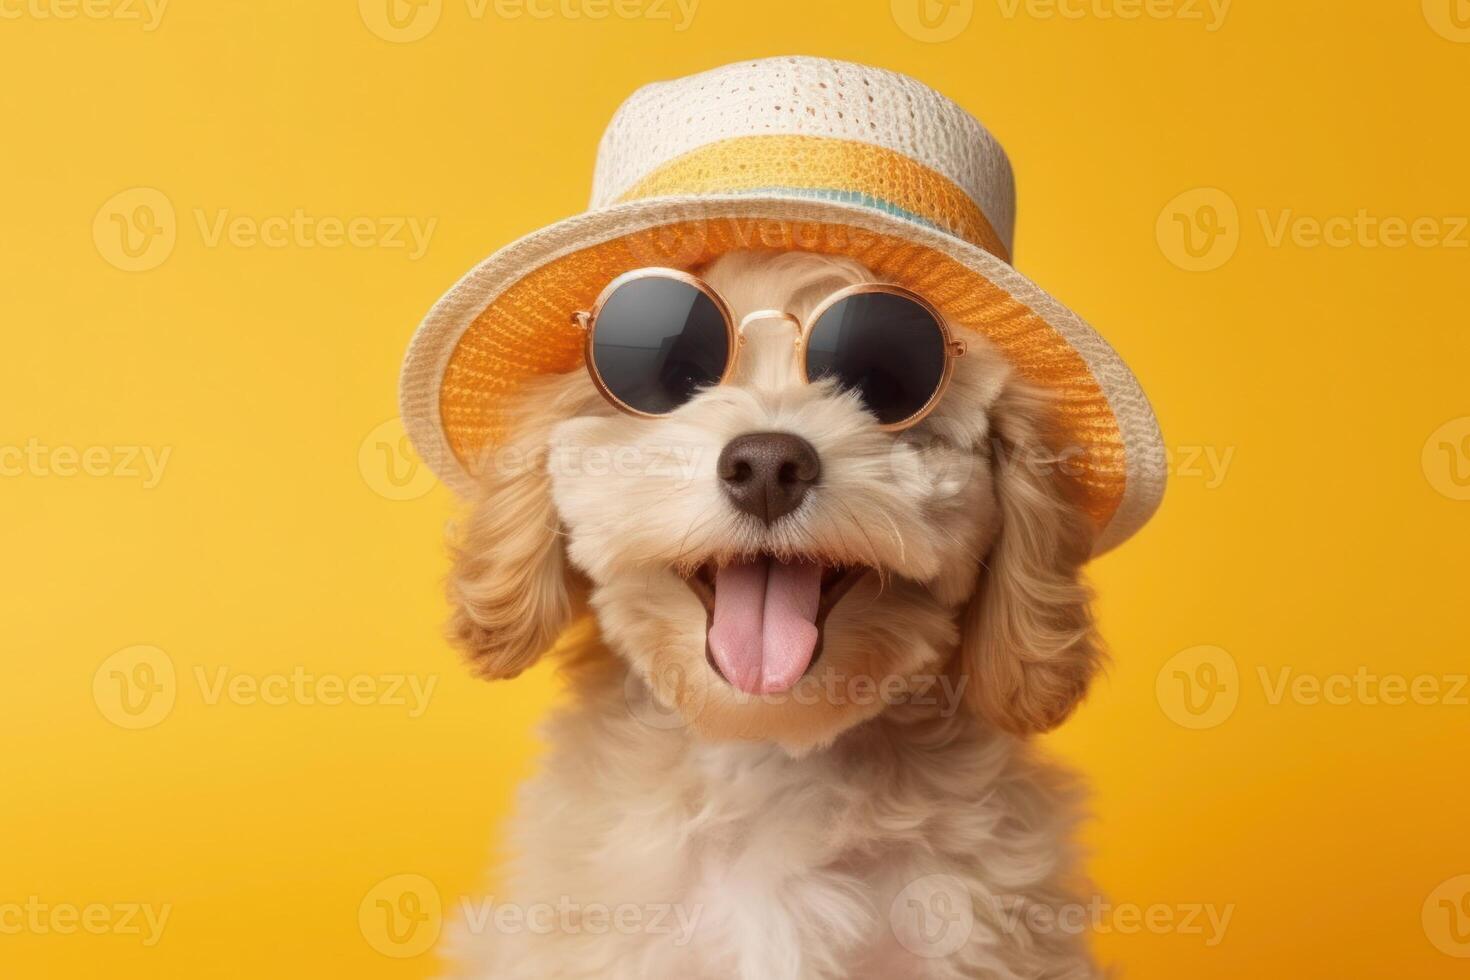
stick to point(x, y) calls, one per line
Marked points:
point(657, 336)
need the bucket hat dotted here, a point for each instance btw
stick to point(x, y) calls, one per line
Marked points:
point(783, 154)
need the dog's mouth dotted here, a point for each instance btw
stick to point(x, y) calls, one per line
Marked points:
point(764, 616)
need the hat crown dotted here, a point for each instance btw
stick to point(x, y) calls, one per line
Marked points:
point(811, 99)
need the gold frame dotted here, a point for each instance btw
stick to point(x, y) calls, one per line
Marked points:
point(735, 334)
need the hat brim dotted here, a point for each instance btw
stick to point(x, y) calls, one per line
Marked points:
point(508, 321)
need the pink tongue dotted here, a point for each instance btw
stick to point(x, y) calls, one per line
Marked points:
point(764, 630)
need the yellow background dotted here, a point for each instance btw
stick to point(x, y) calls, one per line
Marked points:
point(1332, 541)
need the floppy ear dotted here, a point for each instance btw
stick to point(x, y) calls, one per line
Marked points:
point(1027, 636)
point(510, 584)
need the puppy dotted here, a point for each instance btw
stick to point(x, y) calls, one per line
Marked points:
point(870, 811)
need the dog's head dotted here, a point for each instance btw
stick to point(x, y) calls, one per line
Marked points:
point(769, 561)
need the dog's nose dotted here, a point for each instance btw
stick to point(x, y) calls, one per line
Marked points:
point(767, 474)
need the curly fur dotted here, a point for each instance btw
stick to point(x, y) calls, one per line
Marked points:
point(790, 832)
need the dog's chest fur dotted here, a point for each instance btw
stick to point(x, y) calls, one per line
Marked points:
point(736, 860)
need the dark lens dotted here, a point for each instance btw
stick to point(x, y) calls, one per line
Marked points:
point(887, 348)
point(657, 341)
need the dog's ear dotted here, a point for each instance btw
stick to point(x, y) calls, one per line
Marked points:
point(1028, 643)
point(512, 589)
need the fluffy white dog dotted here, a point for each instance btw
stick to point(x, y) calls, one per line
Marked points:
point(866, 806)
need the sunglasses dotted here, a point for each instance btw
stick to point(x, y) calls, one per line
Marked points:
point(655, 337)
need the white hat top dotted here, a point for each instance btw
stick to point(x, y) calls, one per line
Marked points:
point(803, 96)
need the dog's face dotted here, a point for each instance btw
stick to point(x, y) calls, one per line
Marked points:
point(769, 561)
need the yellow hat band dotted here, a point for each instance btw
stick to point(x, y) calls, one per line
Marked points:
point(824, 168)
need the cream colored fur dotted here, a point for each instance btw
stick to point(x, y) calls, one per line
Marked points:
point(815, 834)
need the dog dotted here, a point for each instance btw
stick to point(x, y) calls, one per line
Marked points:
point(880, 812)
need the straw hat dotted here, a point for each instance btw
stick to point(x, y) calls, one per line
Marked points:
point(784, 153)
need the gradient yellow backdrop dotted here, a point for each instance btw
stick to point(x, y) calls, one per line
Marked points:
point(1261, 204)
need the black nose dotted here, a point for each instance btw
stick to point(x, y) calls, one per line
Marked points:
point(767, 474)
